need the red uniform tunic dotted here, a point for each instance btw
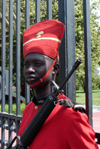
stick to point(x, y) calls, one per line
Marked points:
point(64, 129)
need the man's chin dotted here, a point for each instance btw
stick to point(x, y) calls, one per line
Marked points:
point(30, 83)
point(33, 84)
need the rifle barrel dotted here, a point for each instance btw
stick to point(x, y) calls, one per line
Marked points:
point(75, 66)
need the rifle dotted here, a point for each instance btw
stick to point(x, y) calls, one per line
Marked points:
point(36, 123)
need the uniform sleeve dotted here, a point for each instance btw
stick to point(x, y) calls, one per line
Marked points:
point(80, 133)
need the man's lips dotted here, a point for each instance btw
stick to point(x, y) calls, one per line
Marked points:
point(30, 78)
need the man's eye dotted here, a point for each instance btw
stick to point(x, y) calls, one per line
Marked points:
point(26, 64)
point(38, 63)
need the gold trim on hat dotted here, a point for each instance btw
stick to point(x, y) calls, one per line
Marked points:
point(43, 38)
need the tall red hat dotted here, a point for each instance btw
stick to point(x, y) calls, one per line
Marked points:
point(44, 38)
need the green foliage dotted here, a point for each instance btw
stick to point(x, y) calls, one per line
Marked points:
point(95, 42)
point(95, 34)
point(55, 9)
point(95, 82)
point(22, 107)
point(79, 41)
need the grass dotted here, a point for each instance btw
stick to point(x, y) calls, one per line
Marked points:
point(80, 97)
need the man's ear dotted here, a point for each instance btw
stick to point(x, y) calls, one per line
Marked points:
point(55, 71)
point(56, 68)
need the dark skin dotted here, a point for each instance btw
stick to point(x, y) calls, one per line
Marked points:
point(35, 67)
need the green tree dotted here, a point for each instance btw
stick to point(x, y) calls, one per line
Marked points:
point(95, 41)
point(79, 40)
point(79, 43)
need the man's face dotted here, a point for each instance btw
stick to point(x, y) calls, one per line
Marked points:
point(35, 67)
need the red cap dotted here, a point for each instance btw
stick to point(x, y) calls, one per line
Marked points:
point(44, 38)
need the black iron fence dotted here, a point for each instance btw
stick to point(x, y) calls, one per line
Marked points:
point(11, 57)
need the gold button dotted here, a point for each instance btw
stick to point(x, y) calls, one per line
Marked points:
point(28, 147)
point(36, 107)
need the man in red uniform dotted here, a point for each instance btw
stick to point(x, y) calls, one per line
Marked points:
point(64, 128)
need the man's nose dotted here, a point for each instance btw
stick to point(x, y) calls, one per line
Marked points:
point(30, 69)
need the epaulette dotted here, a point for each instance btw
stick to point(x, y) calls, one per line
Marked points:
point(79, 107)
point(69, 103)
